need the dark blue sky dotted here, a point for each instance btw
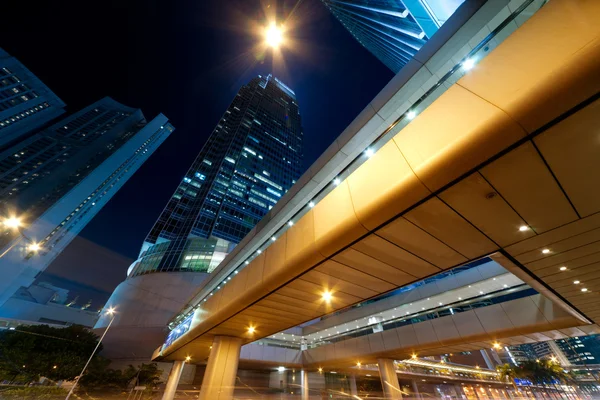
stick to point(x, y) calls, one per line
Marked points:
point(185, 59)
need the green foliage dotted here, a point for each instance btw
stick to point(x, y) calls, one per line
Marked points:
point(538, 372)
point(34, 351)
point(101, 378)
point(36, 392)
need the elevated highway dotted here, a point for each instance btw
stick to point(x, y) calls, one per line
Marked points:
point(499, 160)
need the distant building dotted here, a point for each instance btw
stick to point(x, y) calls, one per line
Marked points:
point(45, 303)
point(57, 180)
point(251, 159)
point(26, 104)
point(393, 31)
point(581, 350)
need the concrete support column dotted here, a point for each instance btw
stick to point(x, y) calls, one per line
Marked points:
point(352, 381)
point(173, 380)
point(389, 379)
point(221, 370)
point(415, 388)
point(304, 385)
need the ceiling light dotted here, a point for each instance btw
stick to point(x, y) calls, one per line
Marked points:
point(576, 282)
point(369, 152)
point(563, 268)
point(258, 251)
point(337, 181)
point(320, 369)
point(584, 290)
point(273, 238)
point(311, 204)
point(326, 296)
point(290, 223)
point(358, 364)
point(280, 369)
point(251, 329)
point(246, 262)
point(411, 114)
point(468, 64)
point(523, 228)
point(546, 251)
point(188, 358)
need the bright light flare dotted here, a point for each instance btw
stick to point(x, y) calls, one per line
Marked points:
point(326, 296)
point(469, 63)
point(273, 36)
point(110, 311)
point(12, 222)
point(35, 247)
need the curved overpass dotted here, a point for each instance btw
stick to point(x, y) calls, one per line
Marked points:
point(513, 143)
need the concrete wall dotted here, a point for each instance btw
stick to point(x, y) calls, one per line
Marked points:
point(144, 304)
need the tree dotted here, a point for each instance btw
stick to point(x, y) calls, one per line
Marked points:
point(508, 372)
point(30, 352)
point(101, 378)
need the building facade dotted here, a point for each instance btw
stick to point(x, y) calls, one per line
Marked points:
point(26, 104)
point(57, 180)
point(392, 30)
point(252, 157)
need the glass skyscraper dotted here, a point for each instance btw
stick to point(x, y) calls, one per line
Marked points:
point(56, 180)
point(392, 30)
point(253, 156)
point(26, 103)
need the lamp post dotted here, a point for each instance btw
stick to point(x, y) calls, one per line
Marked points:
point(110, 311)
point(15, 223)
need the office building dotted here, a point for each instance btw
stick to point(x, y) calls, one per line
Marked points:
point(581, 350)
point(250, 160)
point(26, 104)
point(393, 31)
point(54, 182)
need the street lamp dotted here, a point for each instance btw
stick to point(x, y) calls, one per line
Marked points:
point(111, 312)
point(12, 222)
point(273, 35)
point(15, 223)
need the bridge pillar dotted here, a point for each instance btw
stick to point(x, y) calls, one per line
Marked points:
point(173, 380)
point(353, 389)
point(389, 379)
point(221, 370)
point(304, 385)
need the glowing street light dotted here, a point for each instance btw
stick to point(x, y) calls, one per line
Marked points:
point(35, 247)
point(273, 36)
point(12, 222)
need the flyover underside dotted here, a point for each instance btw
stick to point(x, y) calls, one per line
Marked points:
point(526, 320)
point(512, 144)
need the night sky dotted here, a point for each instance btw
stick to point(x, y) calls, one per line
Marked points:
point(186, 59)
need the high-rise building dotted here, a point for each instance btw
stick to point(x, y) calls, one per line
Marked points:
point(582, 350)
point(251, 159)
point(54, 182)
point(26, 104)
point(392, 30)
